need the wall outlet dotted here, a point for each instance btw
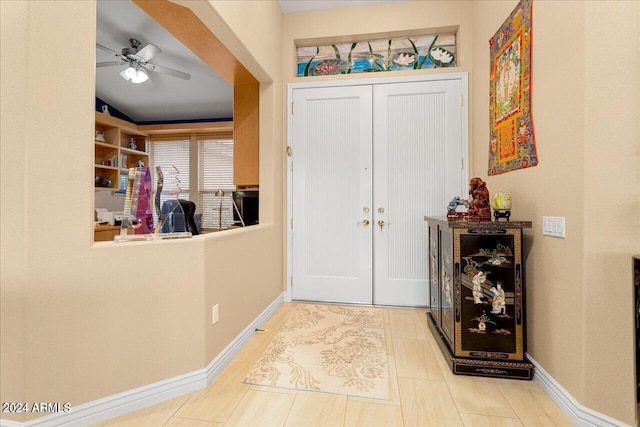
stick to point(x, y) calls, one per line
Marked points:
point(214, 314)
point(553, 226)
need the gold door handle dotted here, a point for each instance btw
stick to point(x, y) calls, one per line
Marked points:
point(381, 223)
point(365, 222)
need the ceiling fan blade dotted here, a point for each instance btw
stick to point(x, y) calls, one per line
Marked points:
point(148, 52)
point(106, 49)
point(169, 71)
point(109, 64)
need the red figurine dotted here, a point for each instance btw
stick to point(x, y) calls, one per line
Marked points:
point(479, 206)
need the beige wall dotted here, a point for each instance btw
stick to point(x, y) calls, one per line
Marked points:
point(13, 84)
point(554, 187)
point(579, 288)
point(245, 275)
point(81, 321)
point(77, 325)
point(579, 293)
point(612, 204)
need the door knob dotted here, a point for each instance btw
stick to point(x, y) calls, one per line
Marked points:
point(381, 223)
point(365, 222)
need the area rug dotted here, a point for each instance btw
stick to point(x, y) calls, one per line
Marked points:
point(327, 348)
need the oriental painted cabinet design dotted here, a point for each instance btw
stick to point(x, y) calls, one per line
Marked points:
point(477, 296)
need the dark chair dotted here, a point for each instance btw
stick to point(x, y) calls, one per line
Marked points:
point(180, 216)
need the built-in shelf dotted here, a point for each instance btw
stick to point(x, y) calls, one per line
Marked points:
point(113, 157)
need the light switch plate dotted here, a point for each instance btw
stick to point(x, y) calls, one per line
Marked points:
point(215, 316)
point(553, 226)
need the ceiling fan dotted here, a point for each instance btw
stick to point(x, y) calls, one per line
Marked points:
point(138, 63)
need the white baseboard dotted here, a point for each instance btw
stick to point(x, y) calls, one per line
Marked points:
point(222, 360)
point(578, 414)
point(123, 403)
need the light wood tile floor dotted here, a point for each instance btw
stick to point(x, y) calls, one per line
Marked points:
point(424, 392)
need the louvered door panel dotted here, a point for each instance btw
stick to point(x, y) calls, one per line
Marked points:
point(332, 253)
point(417, 171)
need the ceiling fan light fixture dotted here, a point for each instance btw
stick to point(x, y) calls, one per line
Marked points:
point(130, 72)
point(135, 74)
point(127, 75)
point(140, 77)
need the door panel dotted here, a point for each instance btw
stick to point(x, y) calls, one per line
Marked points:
point(382, 152)
point(332, 255)
point(417, 170)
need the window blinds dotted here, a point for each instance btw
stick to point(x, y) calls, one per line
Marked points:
point(215, 172)
point(214, 163)
point(173, 159)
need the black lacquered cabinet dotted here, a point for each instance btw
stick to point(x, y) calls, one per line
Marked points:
point(441, 279)
point(477, 305)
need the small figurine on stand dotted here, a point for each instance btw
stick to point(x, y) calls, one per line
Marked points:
point(457, 209)
point(501, 205)
point(479, 207)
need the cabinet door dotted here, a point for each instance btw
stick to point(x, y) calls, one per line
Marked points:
point(489, 322)
point(434, 277)
point(446, 284)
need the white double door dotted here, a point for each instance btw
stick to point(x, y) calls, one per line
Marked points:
point(369, 162)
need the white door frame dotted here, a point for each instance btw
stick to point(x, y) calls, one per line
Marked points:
point(463, 77)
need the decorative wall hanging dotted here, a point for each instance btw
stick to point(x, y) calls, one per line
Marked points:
point(512, 144)
point(402, 53)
